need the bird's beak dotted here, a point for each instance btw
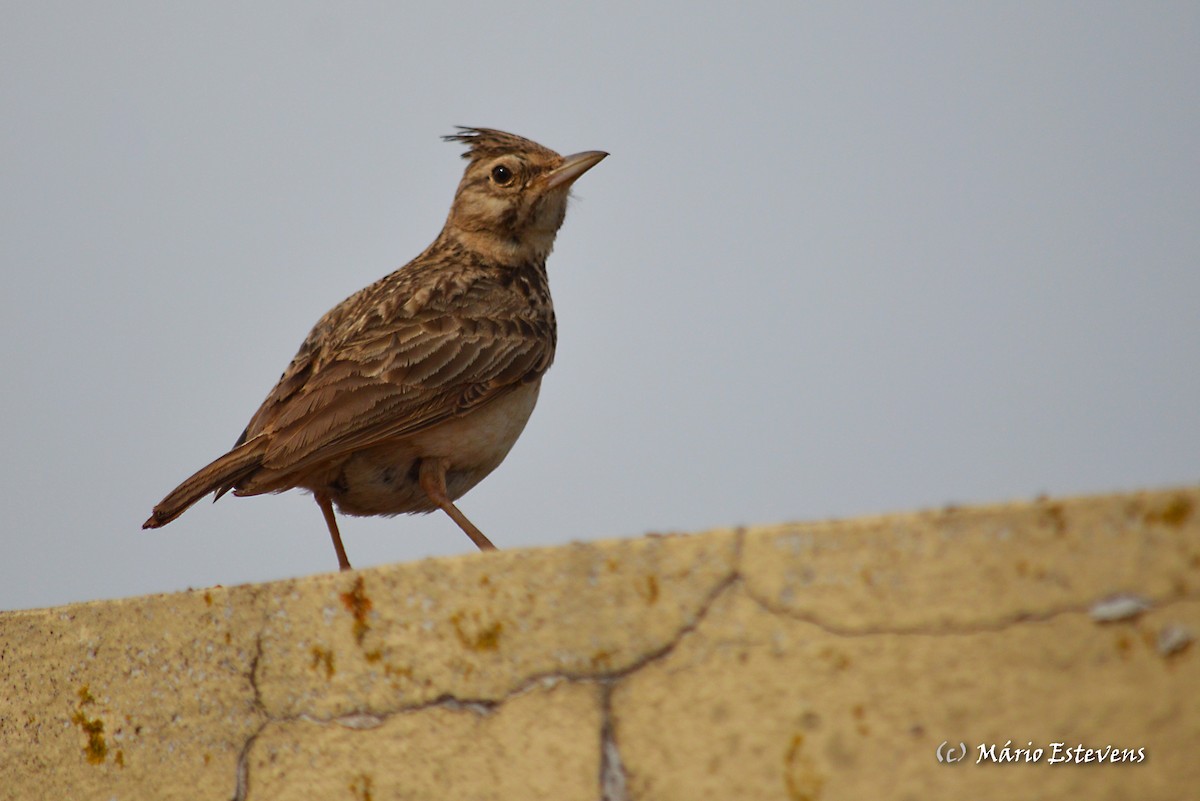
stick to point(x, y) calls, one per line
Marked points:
point(573, 167)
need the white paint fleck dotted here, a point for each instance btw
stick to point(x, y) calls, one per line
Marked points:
point(1118, 607)
point(1173, 638)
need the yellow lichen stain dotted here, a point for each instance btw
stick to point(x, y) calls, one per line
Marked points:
point(859, 714)
point(800, 777)
point(322, 657)
point(477, 637)
point(207, 758)
point(208, 598)
point(1025, 570)
point(1177, 512)
point(398, 671)
point(601, 659)
point(485, 581)
point(1124, 645)
point(119, 758)
point(1054, 515)
point(96, 749)
point(358, 605)
point(648, 589)
point(228, 638)
point(1148, 638)
point(373, 656)
point(362, 786)
point(836, 659)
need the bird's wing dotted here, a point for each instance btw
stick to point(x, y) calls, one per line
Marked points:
point(394, 380)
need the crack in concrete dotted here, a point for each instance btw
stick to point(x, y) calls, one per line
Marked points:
point(254, 660)
point(612, 772)
point(957, 629)
point(242, 777)
point(613, 776)
point(613, 779)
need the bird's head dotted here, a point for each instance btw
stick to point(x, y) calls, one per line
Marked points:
point(513, 196)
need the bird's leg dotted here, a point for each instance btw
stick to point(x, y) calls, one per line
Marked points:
point(433, 482)
point(327, 510)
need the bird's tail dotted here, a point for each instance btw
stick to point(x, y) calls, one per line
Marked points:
point(220, 477)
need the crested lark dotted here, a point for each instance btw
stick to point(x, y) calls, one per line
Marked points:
point(409, 392)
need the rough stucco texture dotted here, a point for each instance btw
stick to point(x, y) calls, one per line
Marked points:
point(812, 661)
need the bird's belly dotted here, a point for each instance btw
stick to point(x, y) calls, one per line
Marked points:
point(383, 480)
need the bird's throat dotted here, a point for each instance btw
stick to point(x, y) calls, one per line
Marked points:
point(532, 246)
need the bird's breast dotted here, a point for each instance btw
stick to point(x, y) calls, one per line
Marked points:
point(382, 480)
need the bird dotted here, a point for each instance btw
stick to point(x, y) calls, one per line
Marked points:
point(412, 390)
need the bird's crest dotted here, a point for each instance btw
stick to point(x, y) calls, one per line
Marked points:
point(488, 142)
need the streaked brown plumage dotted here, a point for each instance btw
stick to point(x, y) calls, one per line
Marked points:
point(409, 392)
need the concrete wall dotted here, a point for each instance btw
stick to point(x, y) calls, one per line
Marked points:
point(812, 661)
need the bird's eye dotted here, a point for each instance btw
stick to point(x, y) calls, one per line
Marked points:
point(502, 175)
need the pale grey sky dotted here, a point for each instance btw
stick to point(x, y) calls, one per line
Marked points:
point(844, 259)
